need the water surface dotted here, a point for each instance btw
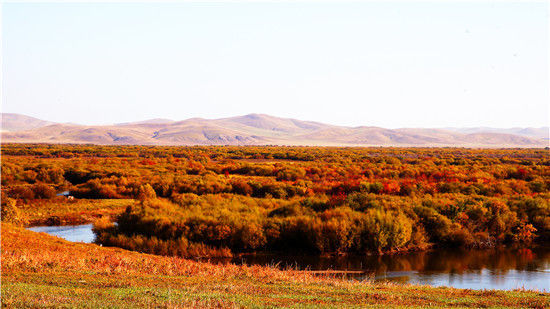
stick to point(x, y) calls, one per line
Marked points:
point(500, 268)
point(75, 233)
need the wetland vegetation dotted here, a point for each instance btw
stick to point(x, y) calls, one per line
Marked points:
point(225, 201)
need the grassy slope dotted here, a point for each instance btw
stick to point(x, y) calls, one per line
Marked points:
point(66, 212)
point(42, 271)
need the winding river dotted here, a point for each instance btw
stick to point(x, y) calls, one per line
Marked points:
point(501, 269)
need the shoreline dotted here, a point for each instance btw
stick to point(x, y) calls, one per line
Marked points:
point(428, 248)
point(84, 275)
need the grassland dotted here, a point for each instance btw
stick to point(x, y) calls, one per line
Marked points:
point(39, 270)
point(62, 211)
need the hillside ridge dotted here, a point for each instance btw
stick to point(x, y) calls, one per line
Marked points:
point(260, 129)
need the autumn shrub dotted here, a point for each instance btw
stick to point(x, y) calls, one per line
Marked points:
point(248, 237)
point(299, 233)
point(21, 192)
point(289, 210)
point(10, 212)
point(96, 189)
point(312, 199)
point(436, 225)
point(317, 203)
point(146, 192)
point(383, 230)
point(461, 237)
point(361, 201)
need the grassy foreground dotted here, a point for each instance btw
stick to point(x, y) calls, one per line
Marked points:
point(39, 270)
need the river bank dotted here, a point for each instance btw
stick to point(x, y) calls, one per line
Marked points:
point(41, 270)
point(496, 268)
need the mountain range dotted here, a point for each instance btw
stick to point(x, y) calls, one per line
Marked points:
point(260, 129)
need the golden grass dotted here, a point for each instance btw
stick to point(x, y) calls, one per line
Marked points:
point(61, 211)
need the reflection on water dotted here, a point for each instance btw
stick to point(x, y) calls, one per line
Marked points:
point(75, 233)
point(501, 268)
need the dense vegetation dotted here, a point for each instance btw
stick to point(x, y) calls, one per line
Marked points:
point(217, 200)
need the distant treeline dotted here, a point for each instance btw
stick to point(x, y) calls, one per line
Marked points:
point(211, 201)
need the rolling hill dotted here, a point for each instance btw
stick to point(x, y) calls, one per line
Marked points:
point(17, 122)
point(542, 132)
point(260, 129)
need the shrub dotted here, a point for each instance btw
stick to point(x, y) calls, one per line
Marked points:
point(10, 212)
point(437, 226)
point(385, 230)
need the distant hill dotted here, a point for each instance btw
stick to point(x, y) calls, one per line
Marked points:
point(149, 121)
point(542, 132)
point(17, 122)
point(260, 129)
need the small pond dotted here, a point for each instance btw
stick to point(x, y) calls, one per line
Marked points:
point(500, 268)
point(75, 233)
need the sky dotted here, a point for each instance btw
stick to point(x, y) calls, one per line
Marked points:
point(390, 64)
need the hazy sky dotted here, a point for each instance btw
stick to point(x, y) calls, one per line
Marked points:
point(390, 64)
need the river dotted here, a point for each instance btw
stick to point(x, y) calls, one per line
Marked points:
point(500, 268)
